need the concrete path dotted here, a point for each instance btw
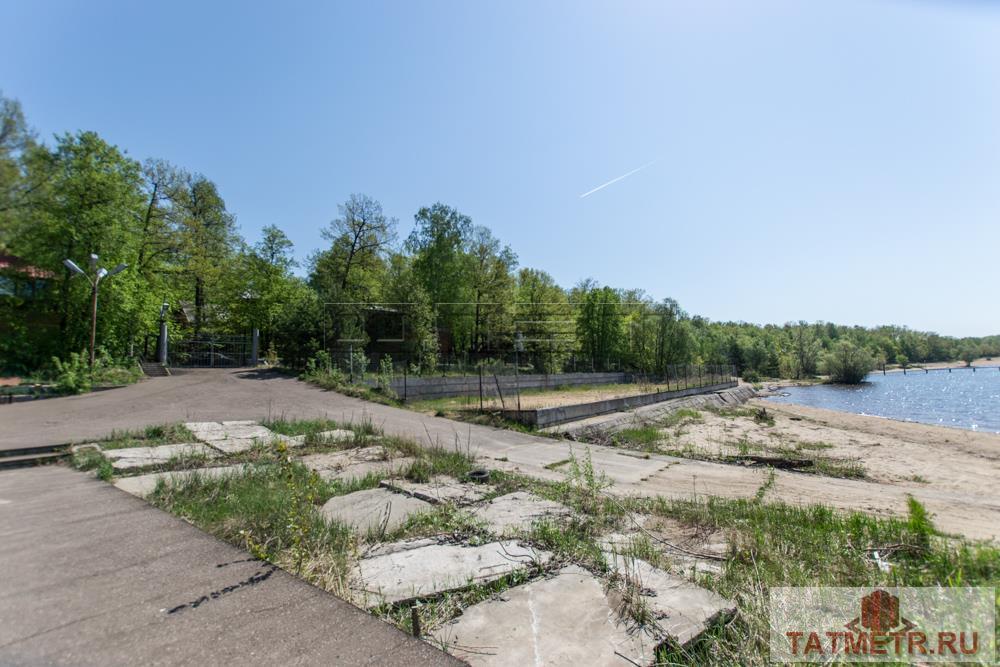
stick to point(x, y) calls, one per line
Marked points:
point(94, 576)
point(217, 395)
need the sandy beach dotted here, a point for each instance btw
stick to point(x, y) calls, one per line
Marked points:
point(939, 463)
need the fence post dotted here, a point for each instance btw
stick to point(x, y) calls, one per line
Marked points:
point(163, 344)
point(255, 348)
point(405, 373)
point(480, 386)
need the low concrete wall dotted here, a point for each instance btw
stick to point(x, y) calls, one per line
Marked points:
point(650, 414)
point(543, 417)
point(425, 388)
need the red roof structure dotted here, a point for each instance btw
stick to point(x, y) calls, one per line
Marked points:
point(18, 265)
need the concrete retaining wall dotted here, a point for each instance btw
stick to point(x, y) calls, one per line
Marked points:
point(544, 417)
point(425, 388)
point(650, 414)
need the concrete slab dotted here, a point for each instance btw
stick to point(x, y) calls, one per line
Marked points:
point(356, 463)
point(518, 511)
point(441, 489)
point(143, 485)
point(683, 610)
point(94, 576)
point(420, 568)
point(232, 437)
point(336, 435)
point(561, 620)
point(247, 430)
point(141, 457)
point(376, 510)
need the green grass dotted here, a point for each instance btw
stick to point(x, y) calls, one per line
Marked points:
point(336, 382)
point(681, 417)
point(774, 544)
point(640, 435)
point(654, 438)
point(91, 459)
point(273, 511)
point(759, 415)
point(151, 436)
point(300, 426)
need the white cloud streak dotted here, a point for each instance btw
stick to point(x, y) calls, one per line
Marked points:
point(615, 180)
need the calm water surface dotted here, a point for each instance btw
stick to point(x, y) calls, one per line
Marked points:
point(962, 398)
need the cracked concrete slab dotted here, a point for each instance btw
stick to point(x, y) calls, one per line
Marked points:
point(373, 510)
point(690, 540)
point(232, 437)
point(683, 610)
point(421, 568)
point(336, 435)
point(518, 511)
point(562, 620)
point(356, 463)
point(441, 489)
point(143, 485)
point(131, 458)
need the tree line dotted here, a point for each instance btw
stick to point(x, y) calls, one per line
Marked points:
point(449, 292)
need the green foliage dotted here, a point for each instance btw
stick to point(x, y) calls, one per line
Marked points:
point(457, 288)
point(600, 326)
point(72, 376)
point(91, 459)
point(385, 376)
point(846, 363)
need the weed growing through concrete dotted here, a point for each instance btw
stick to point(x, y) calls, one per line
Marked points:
point(151, 436)
point(272, 509)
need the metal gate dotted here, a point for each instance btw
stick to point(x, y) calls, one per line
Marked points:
point(212, 352)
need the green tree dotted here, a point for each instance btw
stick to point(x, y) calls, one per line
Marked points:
point(600, 327)
point(207, 243)
point(545, 320)
point(491, 284)
point(438, 244)
point(846, 363)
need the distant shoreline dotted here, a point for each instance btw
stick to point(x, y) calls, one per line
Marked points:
point(936, 365)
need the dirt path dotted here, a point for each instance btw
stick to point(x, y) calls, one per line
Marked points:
point(217, 395)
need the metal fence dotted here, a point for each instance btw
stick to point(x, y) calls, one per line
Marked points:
point(493, 384)
point(211, 351)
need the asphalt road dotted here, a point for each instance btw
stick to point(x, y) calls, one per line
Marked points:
point(215, 395)
point(94, 576)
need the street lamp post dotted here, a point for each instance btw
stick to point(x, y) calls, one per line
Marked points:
point(99, 275)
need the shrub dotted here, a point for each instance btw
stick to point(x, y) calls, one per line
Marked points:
point(73, 375)
point(385, 374)
point(750, 375)
point(846, 363)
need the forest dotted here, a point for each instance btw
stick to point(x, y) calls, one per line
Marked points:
point(450, 292)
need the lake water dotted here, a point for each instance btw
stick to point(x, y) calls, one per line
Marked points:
point(962, 398)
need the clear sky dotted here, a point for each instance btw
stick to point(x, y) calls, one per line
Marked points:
point(808, 159)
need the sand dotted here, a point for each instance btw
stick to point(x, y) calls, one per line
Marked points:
point(955, 472)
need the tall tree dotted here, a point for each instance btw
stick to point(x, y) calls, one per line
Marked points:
point(489, 273)
point(437, 243)
point(349, 275)
point(600, 327)
point(207, 239)
point(544, 318)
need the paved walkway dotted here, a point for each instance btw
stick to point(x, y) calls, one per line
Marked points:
point(215, 395)
point(94, 576)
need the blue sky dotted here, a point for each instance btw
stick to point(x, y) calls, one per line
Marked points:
point(810, 160)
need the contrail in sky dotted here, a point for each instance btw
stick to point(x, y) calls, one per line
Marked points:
point(615, 180)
